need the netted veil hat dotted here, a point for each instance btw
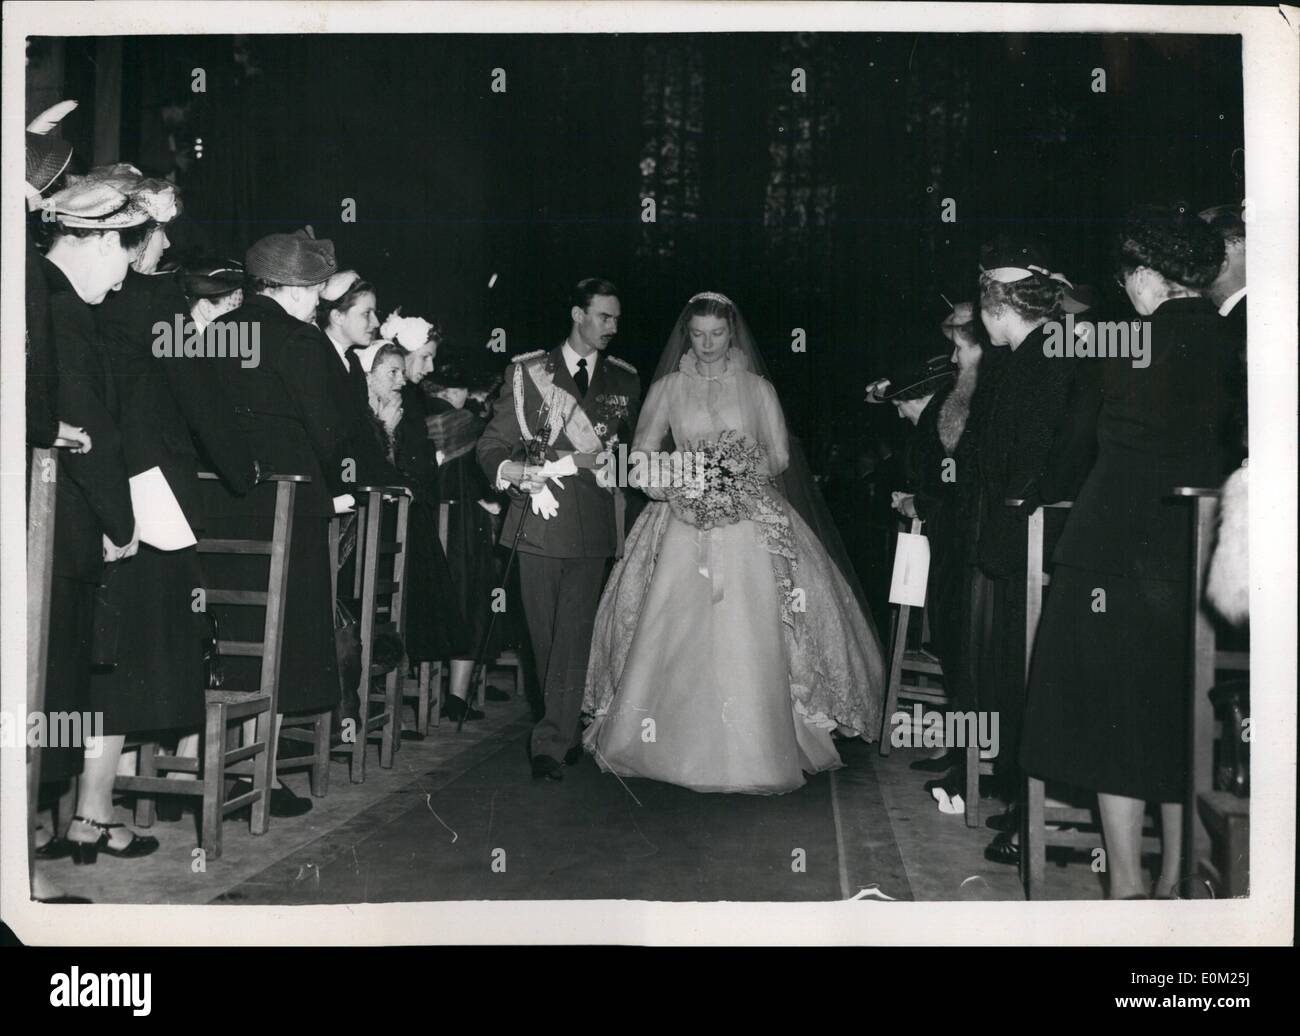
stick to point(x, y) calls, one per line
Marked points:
point(159, 198)
point(91, 205)
point(294, 259)
point(210, 280)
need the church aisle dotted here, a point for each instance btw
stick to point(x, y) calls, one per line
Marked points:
point(459, 817)
point(494, 833)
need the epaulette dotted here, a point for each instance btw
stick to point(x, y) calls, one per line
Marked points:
point(525, 357)
point(621, 363)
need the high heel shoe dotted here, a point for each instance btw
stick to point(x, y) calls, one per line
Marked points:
point(55, 849)
point(87, 852)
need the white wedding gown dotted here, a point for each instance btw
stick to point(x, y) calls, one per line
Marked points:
point(704, 670)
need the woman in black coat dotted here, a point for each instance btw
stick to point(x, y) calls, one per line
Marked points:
point(1020, 420)
point(97, 234)
point(150, 655)
point(283, 408)
point(280, 412)
point(1107, 700)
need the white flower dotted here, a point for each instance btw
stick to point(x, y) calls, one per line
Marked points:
point(410, 333)
point(599, 428)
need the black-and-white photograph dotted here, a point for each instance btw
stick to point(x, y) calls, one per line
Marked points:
point(498, 457)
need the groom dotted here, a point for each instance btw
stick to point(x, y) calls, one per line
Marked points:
point(572, 401)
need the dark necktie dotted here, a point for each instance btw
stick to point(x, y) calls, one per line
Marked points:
point(354, 363)
point(580, 377)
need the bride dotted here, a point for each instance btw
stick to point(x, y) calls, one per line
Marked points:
point(723, 658)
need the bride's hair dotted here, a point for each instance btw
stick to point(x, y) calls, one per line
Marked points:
point(710, 304)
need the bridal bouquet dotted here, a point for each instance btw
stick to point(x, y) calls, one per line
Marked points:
point(722, 482)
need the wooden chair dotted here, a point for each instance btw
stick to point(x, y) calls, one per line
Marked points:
point(429, 682)
point(905, 661)
point(924, 666)
point(223, 756)
point(314, 730)
point(317, 731)
point(1216, 824)
point(369, 587)
point(41, 498)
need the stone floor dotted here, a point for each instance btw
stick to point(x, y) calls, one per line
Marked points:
point(887, 832)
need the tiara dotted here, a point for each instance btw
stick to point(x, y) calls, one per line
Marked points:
point(713, 296)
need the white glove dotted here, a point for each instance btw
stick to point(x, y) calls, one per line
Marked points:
point(557, 469)
point(343, 504)
point(544, 503)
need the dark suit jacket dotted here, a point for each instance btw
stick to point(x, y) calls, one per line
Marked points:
point(1157, 428)
point(94, 498)
point(584, 526)
point(285, 405)
point(165, 399)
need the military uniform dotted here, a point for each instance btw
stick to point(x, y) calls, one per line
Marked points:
point(562, 560)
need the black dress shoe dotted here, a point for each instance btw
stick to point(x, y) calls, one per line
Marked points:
point(546, 767)
point(574, 755)
point(284, 803)
point(1003, 850)
point(54, 849)
point(453, 708)
point(88, 852)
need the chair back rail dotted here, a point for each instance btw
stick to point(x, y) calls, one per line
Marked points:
point(902, 661)
point(368, 587)
point(41, 498)
point(226, 706)
point(1205, 661)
